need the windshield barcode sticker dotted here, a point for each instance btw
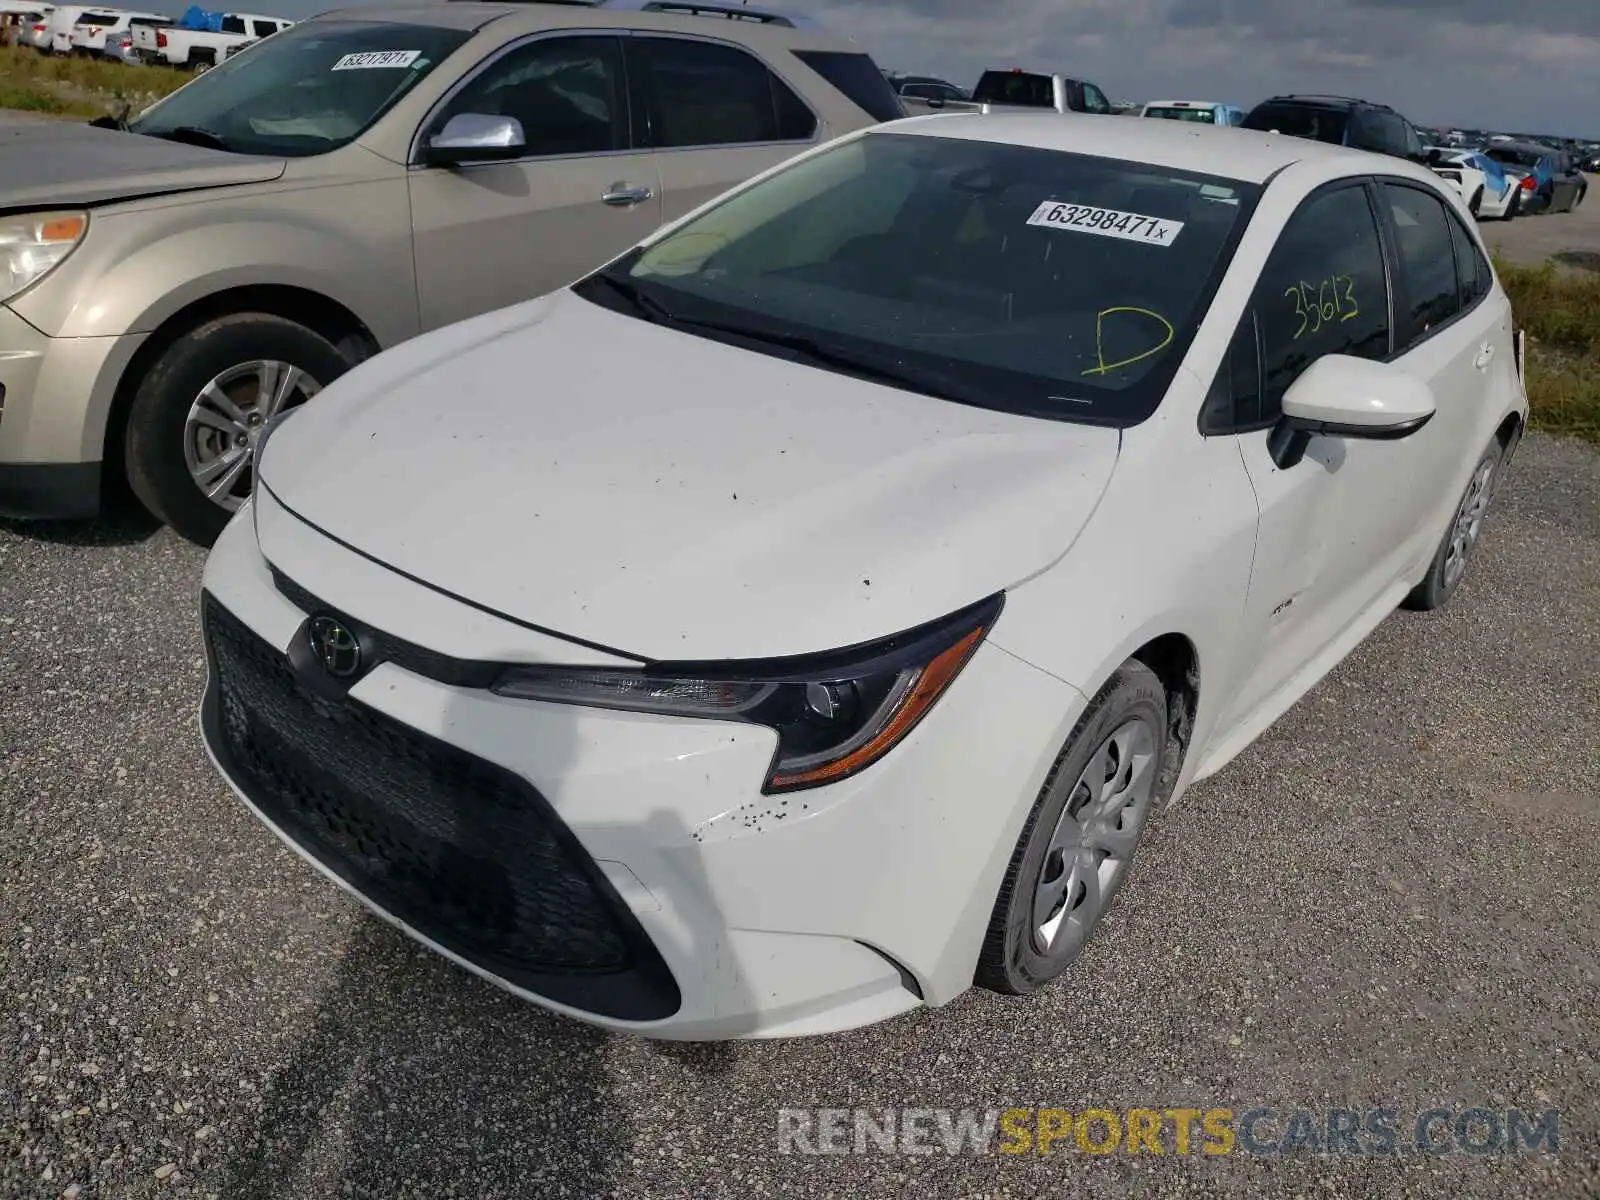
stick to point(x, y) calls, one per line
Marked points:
point(1107, 222)
point(369, 59)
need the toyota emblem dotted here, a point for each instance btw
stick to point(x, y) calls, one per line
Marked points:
point(335, 646)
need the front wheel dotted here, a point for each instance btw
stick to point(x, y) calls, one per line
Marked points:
point(1078, 843)
point(200, 410)
point(1449, 564)
point(1476, 202)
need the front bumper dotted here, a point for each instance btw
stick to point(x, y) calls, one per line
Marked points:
point(766, 916)
point(55, 394)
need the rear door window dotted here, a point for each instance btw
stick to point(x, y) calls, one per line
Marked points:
point(1430, 294)
point(1015, 87)
point(1473, 276)
point(1300, 120)
point(859, 78)
point(708, 94)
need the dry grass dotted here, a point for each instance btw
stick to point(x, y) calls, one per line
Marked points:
point(1560, 309)
point(78, 87)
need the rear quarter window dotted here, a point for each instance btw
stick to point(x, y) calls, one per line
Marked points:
point(1015, 87)
point(859, 78)
point(1297, 120)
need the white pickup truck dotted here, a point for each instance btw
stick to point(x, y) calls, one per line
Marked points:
point(200, 49)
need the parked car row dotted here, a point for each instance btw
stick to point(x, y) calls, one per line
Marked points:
point(196, 41)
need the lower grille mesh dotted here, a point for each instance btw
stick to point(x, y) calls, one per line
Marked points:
point(460, 849)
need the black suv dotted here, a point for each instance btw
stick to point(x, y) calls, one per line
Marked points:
point(1342, 121)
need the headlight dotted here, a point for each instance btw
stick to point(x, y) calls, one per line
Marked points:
point(33, 244)
point(835, 713)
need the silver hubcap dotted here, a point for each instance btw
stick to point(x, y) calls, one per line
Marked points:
point(1469, 523)
point(1094, 840)
point(225, 423)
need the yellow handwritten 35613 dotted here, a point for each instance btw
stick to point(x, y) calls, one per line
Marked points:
point(1335, 297)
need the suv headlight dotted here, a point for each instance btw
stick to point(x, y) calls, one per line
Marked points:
point(33, 244)
point(835, 713)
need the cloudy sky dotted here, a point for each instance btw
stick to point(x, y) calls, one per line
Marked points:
point(1529, 65)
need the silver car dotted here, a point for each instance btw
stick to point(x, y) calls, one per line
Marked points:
point(167, 286)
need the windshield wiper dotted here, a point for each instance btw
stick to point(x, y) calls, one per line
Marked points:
point(866, 366)
point(193, 135)
point(644, 305)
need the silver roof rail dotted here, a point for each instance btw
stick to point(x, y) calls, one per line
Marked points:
point(726, 9)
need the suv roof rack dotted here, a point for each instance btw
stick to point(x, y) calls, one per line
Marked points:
point(689, 8)
point(1332, 99)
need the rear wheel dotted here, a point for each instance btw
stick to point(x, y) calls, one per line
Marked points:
point(1476, 202)
point(200, 410)
point(1078, 843)
point(1449, 566)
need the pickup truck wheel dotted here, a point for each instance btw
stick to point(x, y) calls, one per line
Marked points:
point(199, 411)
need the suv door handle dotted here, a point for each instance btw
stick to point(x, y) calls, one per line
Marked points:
point(625, 195)
point(1485, 357)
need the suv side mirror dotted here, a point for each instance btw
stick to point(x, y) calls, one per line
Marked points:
point(1343, 396)
point(476, 137)
point(1435, 156)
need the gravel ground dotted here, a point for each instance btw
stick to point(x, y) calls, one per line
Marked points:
point(1388, 901)
point(1531, 240)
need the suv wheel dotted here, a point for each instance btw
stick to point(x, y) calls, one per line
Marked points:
point(199, 411)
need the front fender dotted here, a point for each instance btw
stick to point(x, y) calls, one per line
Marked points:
point(139, 265)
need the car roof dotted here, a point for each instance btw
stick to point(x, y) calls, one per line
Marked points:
point(1186, 104)
point(1222, 150)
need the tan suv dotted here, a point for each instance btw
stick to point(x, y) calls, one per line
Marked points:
point(168, 285)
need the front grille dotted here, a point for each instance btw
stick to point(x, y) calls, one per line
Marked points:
point(460, 849)
point(457, 672)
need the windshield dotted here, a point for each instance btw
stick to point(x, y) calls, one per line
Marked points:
point(307, 90)
point(1515, 158)
point(1028, 280)
point(1015, 87)
point(1204, 116)
point(1300, 120)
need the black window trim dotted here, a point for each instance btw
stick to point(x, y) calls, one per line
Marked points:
point(1366, 184)
point(637, 96)
point(1397, 269)
point(638, 136)
point(417, 157)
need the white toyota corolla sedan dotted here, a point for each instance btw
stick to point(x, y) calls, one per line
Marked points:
point(798, 620)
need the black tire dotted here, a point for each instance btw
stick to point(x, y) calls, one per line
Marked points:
point(155, 443)
point(1514, 208)
point(1476, 202)
point(1011, 961)
point(1443, 579)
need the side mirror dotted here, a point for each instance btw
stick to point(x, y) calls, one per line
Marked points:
point(1435, 157)
point(476, 137)
point(1342, 396)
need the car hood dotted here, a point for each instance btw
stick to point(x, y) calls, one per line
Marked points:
point(56, 164)
point(674, 497)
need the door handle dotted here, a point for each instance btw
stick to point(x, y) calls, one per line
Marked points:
point(625, 195)
point(1485, 357)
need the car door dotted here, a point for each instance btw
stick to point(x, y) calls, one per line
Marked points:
point(714, 113)
point(1451, 337)
point(494, 233)
point(1328, 526)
